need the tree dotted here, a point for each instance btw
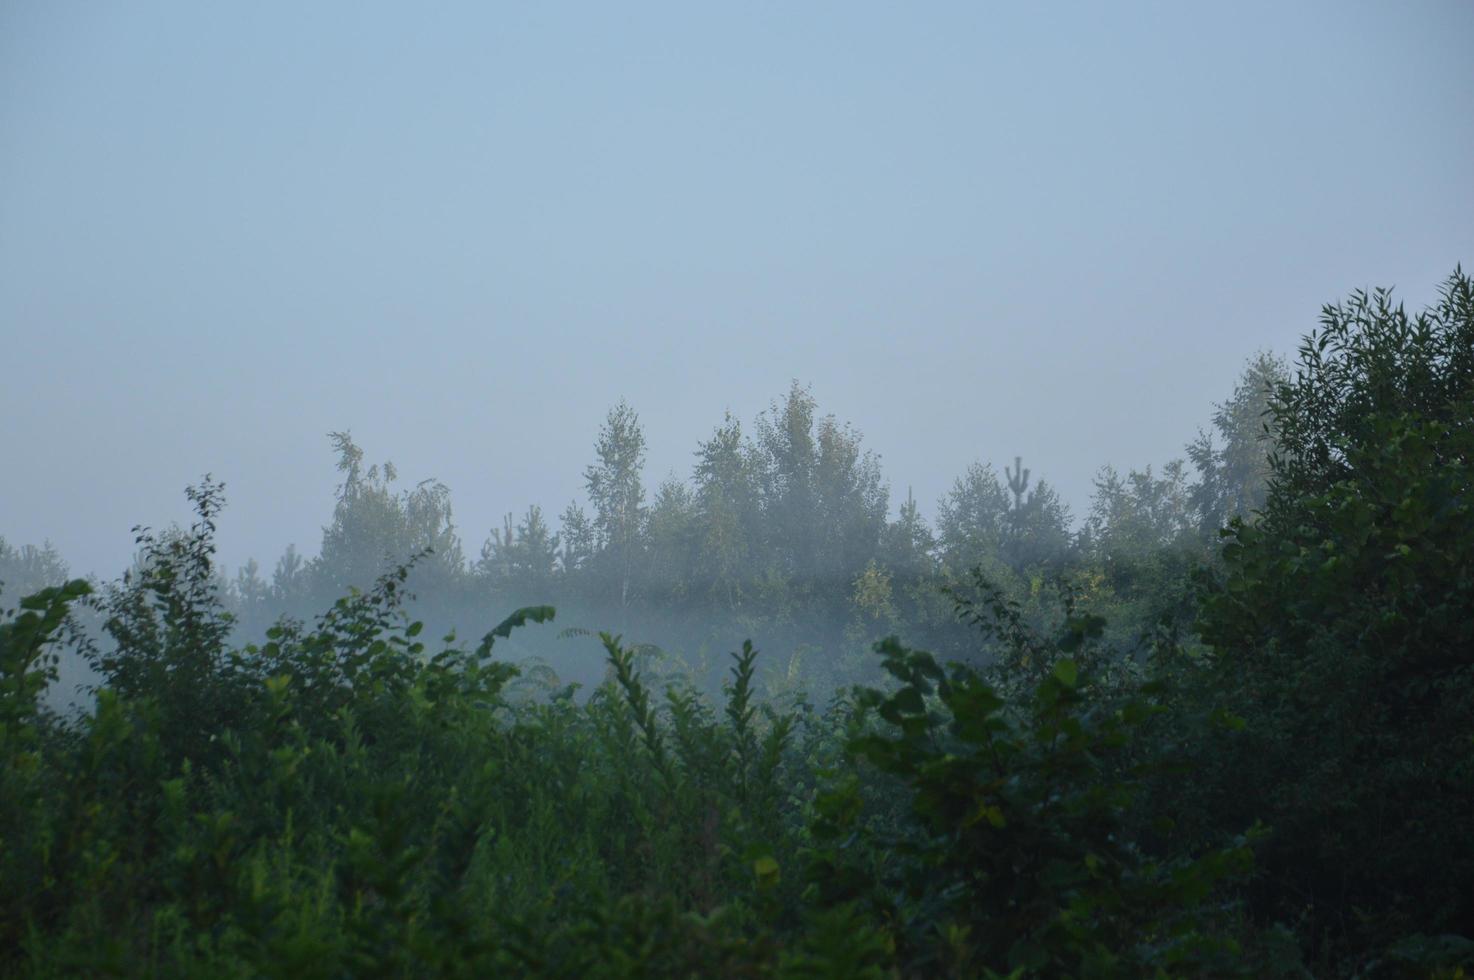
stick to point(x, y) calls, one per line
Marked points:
point(1142, 543)
point(907, 544)
point(1135, 517)
point(852, 500)
point(290, 580)
point(29, 569)
point(578, 540)
point(727, 514)
point(521, 560)
point(672, 537)
point(1233, 468)
point(979, 522)
point(616, 490)
point(1037, 526)
point(823, 499)
point(373, 528)
point(1344, 627)
point(785, 439)
point(249, 599)
point(429, 528)
point(367, 530)
point(970, 518)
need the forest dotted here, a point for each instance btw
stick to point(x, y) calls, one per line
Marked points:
point(760, 721)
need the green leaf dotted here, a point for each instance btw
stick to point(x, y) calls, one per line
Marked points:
point(534, 614)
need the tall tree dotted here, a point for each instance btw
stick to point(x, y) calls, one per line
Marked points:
point(908, 545)
point(982, 521)
point(1142, 536)
point(1037, 525)
point(374, 527)
point(1232, 461)
point(824, 502)
point(728, 521)
point(616, 490)
point(521, 559)
point(672, 535)
point(579, 541)
point(367, 530)
point(852, 501)
point(290, 580)
point(785, 439)
point(1140, 513)
point(971, 518)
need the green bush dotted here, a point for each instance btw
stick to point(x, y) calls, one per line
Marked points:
point(1343, 630)
point(342, 801)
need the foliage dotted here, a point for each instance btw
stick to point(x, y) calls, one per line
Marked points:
point(1233, 470)
point(1343, 627)
point(342, 801)
point(1016, 858)
point(1143, 749)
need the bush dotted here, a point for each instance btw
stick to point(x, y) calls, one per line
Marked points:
point(1344, 632)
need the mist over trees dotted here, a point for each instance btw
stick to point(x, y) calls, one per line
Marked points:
point(1217, 727)
point(782, 530)
point(28, 568)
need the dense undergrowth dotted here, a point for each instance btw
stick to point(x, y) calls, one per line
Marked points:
point(1284, 789)
point(340, 801)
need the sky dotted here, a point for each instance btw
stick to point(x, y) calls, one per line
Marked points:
point(463, 231)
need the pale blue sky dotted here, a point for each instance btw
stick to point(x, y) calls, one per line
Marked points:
point(465, 230)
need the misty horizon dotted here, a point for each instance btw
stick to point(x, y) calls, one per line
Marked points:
point(472, 537)
point(975, 234)
point(236, 552)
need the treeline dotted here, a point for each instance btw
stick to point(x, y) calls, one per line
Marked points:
point(783, 531)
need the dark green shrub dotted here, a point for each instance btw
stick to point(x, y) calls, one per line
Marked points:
point(1343, 630)
point(1017, 854)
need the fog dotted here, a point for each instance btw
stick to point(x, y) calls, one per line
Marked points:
point(667, 489)
point(464, 235)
